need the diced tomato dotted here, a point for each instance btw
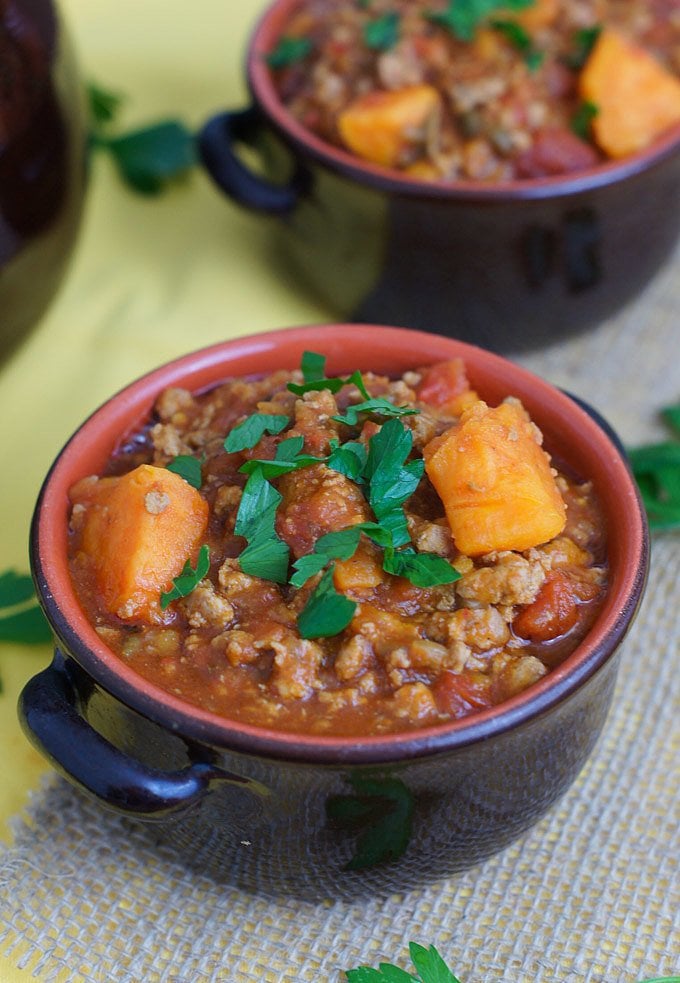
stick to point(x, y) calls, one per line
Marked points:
point(458, 693)
point(555, 610)
point(445, 385)
point(556, 150)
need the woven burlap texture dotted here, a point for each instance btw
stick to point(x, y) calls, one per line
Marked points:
point(591, 894)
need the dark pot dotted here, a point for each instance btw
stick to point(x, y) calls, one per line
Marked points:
point(326, 816)
point(42, 161)
point(507, 266)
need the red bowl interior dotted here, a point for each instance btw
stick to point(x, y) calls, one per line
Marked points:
point(272, 25)
point(570, 433)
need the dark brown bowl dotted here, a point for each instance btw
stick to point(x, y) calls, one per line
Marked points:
point(42, 162)
point(507, 266)
point(275, 810)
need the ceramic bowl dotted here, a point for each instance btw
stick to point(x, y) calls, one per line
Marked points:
point(42, 162)
point(285, 811)
point(508, 266)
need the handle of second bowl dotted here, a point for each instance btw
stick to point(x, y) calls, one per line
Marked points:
point(49, 715)
point(217, 143)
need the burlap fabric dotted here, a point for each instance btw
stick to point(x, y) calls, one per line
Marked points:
point(590, 895)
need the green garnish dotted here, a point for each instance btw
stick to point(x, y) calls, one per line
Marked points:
point(656, 468)
point(314, 374)
point(582, 119)
point(583, 43)
point(103, 105)
point(671, 414)
point(22, 621)
point(147, 158)
point(252, 430)
point(382, 33)
point(378, 405)
point(327, 612)
point(266, 555)
point(189, 578)
point(389, 479)
point(422, 569)
point(463, 17)
point(429, 965)
point(341, 545)
point(521, 40)
point(349, 458)
point(287, 458)
point(288, 51)
point(187, 467)
point(383, 808)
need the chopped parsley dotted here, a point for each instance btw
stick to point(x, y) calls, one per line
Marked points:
point(463, 17)
point(583, 42)
point(428, 964)
point(314, 375)
point(521, 40)
point(250, 432)
point(582, 119)
point(266, 555)
point(189, 578)
point(288, 51)
point(422, 569)
point(187, 467)
point(327, 612)
point(382, 33)
point(377, 405)
point(288, 458)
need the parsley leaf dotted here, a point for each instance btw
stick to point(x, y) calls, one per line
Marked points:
point(103, 105)
point(378, 405)
point(383, 809)
point(390, 480)
point(287, 458)
point(189, 578)
point(187, 467)
point(582, 119)
point(349, 458)
point(313, 372)
point(382, 33)
point(340, 545)
point(463, 17)
point(422, 569)
point(288, 51)
point(521, 40)
point(583, 43)
point(656, 468)
point(429, 964)
point(22, 621)
point(251, 431)
point(327, 612)
point(151, 156)
point(671, 414)
point(266, 555)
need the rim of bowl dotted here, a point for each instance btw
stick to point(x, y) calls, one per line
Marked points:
point(567, 428)
point(269, 27)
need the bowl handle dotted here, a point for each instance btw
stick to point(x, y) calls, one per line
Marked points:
point(217, 144)
point(49, 715)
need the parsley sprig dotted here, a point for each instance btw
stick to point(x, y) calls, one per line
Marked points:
point(21, 620)
point(188, 467)
point(188, 579)
point(147, 158)
point(657, 471)
point(463, 17)
point(313, 367)
point(266, 555)
point(382, 33)
point(428, 963)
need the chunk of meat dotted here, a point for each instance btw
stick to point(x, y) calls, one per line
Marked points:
point(316, 501)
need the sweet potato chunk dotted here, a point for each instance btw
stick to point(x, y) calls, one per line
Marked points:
point(636, 97)
point(138, 532)
point(361, 572)
point(380, 126)
point(495, 481)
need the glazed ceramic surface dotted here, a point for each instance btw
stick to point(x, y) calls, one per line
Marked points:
point(42, 161)
point(319, 815)
point(506, 266)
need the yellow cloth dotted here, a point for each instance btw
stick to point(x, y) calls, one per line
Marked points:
point(156, 278)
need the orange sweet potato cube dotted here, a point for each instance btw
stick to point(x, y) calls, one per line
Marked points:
point(138, 531)
point(379, 126)
point(495, 481)
point(637, 99)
